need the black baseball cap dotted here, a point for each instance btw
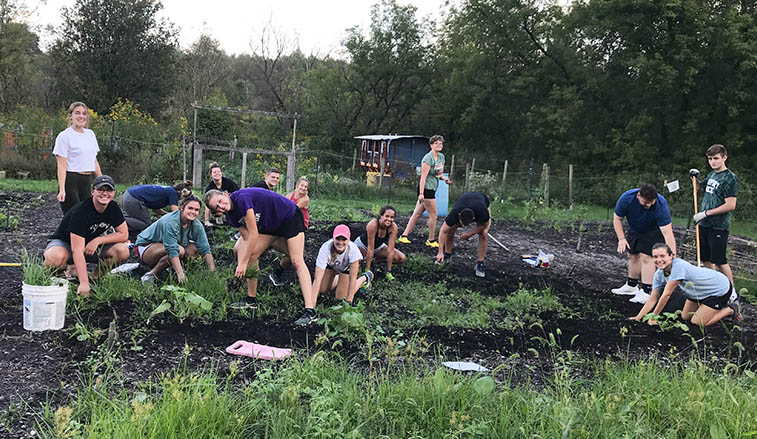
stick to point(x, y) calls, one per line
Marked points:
point(103, 180)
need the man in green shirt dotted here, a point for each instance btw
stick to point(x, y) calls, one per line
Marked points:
point(714, 216)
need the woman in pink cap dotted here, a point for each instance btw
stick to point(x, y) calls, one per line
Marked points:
point(337, 265)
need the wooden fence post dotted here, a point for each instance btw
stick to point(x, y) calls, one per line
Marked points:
point(381, 175)
point(546, 185)
point(452, 167)
point(354, 159)
point(244, 169)
point(570, 186)
point(197, 165)
point(504, 175)
point(292, 160)
point(467, 173)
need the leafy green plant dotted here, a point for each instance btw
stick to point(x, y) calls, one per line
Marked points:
point(184, 304)
point(345, 321)
point(667, 320)
point(525, 306)
point(35, 273)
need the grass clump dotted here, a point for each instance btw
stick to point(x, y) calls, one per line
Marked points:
point(525, 306)
point(35, 273)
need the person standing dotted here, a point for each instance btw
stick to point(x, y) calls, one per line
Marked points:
point(172, 238)
point(649, 222)
point(299, 197)
point(714, 216)
point(272, 176)
point(92, 231)
point(75, 153)
point(707, 291)
point(219, 183)
point(469, 208)
point(432, 170)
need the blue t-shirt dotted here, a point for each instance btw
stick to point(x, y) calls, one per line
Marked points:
point(154, 196)
point(271, 209)
point(642, 220)
point(697, 283)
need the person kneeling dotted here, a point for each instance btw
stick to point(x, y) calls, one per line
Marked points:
point(378, 241)
point(172, 238)
point(707, 291)
point(469, 208)
point(92, 231)
point(337, 265)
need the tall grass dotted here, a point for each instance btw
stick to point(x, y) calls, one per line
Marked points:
point(321, 397)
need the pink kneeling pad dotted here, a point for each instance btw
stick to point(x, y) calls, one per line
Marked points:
point(260, 351)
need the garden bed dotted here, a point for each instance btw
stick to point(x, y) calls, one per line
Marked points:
point(517, 316)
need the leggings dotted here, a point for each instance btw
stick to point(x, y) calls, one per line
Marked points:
point(78, 188)
point(137, 214)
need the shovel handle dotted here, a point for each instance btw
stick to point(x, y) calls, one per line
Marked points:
point(696, 226)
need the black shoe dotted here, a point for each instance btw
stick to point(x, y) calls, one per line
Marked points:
point(307, 318)
point(246, 303)
point(275, 279)
point(480, 270)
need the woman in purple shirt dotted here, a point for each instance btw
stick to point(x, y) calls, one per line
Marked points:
point(265, 220)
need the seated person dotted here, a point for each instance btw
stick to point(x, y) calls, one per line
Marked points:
point(265, 220)
point(337, 265)
point(378, 241)
point(138, 200)
point(272, 176)
point(93, 230)
point(172, 238)
point(469, 208)
point(219, 183)
point(707, 291)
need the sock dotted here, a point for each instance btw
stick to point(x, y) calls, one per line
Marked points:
point(447, 255)
point(632, 282)
point(647, 288)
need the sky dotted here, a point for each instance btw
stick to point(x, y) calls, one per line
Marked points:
point(317, 25)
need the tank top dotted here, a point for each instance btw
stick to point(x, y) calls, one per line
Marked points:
point(378, 241)
point(304, 210)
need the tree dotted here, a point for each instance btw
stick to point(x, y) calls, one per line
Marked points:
point(202, 70)
point(18, 49)
point(111, 49)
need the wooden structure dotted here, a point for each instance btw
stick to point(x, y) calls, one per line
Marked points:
point(389, 152)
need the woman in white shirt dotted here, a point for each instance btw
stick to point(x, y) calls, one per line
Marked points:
point(76, 154)
point(337, 265)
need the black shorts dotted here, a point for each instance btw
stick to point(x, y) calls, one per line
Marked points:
point(644, 241)
point(428, 194)
point(713, 243)
point(289, 228)
point(716, 302)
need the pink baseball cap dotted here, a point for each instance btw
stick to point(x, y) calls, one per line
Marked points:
point(341, 230)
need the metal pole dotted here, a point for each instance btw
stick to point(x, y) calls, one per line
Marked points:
point(184, 157)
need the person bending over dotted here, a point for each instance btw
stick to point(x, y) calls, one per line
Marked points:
point(469, 208)
point(265, 220)
point(138, 200)
point(75, 153)
point(707, 291)
point(272, 176)
point(92, 231)
point(432, 170)
point(378, 241)
point(172, 238)
point(220, 183)
point(648, 223)
point(337, 265)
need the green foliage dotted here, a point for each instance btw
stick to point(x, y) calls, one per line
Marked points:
point(184, 304)
point(345, 321)
point(34, 272)
point(525, 306)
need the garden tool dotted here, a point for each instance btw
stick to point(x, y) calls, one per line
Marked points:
point(495, 240)
point(694, 174)
point(10, 264)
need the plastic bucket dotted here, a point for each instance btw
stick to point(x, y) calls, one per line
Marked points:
point(45, 307)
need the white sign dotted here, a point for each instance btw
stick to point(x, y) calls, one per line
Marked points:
point(673, 186)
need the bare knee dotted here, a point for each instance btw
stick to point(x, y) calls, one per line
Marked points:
point(298, 264)
point(55, 257)
point(119, 252)
point(399, 258)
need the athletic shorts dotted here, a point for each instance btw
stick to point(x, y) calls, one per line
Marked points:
point(716, 302)
point(428, 194)
point(713, 243)
point(289, 228)
point(96, 257)
point(140, 250)
point(359, 243)
point(643, 242)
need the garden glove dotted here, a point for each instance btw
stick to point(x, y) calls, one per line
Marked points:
point(693, 172)
point(699, 217)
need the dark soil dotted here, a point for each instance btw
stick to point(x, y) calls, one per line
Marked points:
point(35, 367)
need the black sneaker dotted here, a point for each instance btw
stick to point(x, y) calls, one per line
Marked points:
point(480, 270)
point(246, 303)
point(275, 279)
point(307, 318)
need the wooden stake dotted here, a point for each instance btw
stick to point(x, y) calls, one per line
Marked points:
point(452, 167)
point(244, 169)
point(570, 187)
point(546, 185)
point(696, 226)
point(504, 175)
point(354, 159)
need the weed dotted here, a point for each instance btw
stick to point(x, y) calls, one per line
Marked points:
point(184, 303)
point(524, 307)
point(345, 321)
point(34, 272)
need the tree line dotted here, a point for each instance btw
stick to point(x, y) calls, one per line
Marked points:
point(633, 88)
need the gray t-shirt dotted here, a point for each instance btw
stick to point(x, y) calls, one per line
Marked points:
point(697, 283)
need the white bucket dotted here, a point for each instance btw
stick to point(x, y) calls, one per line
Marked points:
point(45, 307)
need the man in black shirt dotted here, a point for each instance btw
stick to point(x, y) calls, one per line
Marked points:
point(469, 208)
point(94, 230)
point(272, 176)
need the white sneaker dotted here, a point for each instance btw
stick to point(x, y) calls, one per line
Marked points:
point(626, 290)
point(147, 278)
point(734, 295)
point(640, 297)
